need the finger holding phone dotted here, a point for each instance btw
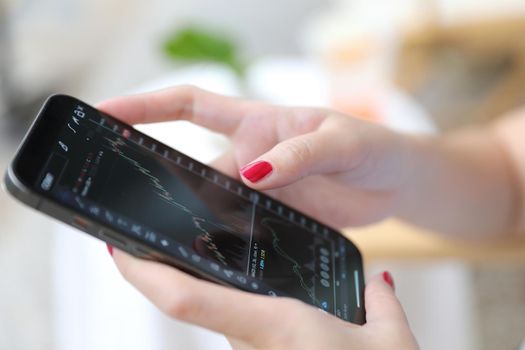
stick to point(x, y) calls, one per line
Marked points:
point(252, 321)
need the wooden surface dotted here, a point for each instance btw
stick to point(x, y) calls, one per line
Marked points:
point(464, 73)
point(395, 240)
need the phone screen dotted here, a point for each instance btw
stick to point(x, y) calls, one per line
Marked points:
point(134, 184)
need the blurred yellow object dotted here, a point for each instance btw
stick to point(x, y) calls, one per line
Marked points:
point(393, 239)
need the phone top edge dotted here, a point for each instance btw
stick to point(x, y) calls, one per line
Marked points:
point(60, 95)
point(32, 126)
point(12, 185)
point(30, 130)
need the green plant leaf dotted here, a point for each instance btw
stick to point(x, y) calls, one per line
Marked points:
point(193, 44)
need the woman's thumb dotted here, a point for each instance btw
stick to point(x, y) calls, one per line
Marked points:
point(381, 302)
point(298, 157)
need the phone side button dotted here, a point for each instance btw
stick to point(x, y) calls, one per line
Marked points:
point(111, 239)
point(80, 223)
point(141, 252)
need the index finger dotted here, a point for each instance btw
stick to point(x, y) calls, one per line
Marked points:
point(219, 113)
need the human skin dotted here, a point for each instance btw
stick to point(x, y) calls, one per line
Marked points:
point(344, 172)
point(348, 172)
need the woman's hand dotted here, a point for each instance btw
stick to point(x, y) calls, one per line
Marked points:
point(347, 172)
point(252, 321)
point(338, 169)
point(335, 168)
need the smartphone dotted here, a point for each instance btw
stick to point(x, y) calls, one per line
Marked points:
point(102, 176)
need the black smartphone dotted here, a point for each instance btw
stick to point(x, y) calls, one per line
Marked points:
point(102, 176)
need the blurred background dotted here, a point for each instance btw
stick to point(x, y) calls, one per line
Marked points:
point(424, 66)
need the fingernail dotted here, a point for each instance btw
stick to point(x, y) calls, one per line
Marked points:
point(110, 249)
point(256, 171)
point(387, 277)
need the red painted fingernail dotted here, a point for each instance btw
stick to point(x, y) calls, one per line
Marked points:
point(110, 249)
point(388, 279)
point(256, 171)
